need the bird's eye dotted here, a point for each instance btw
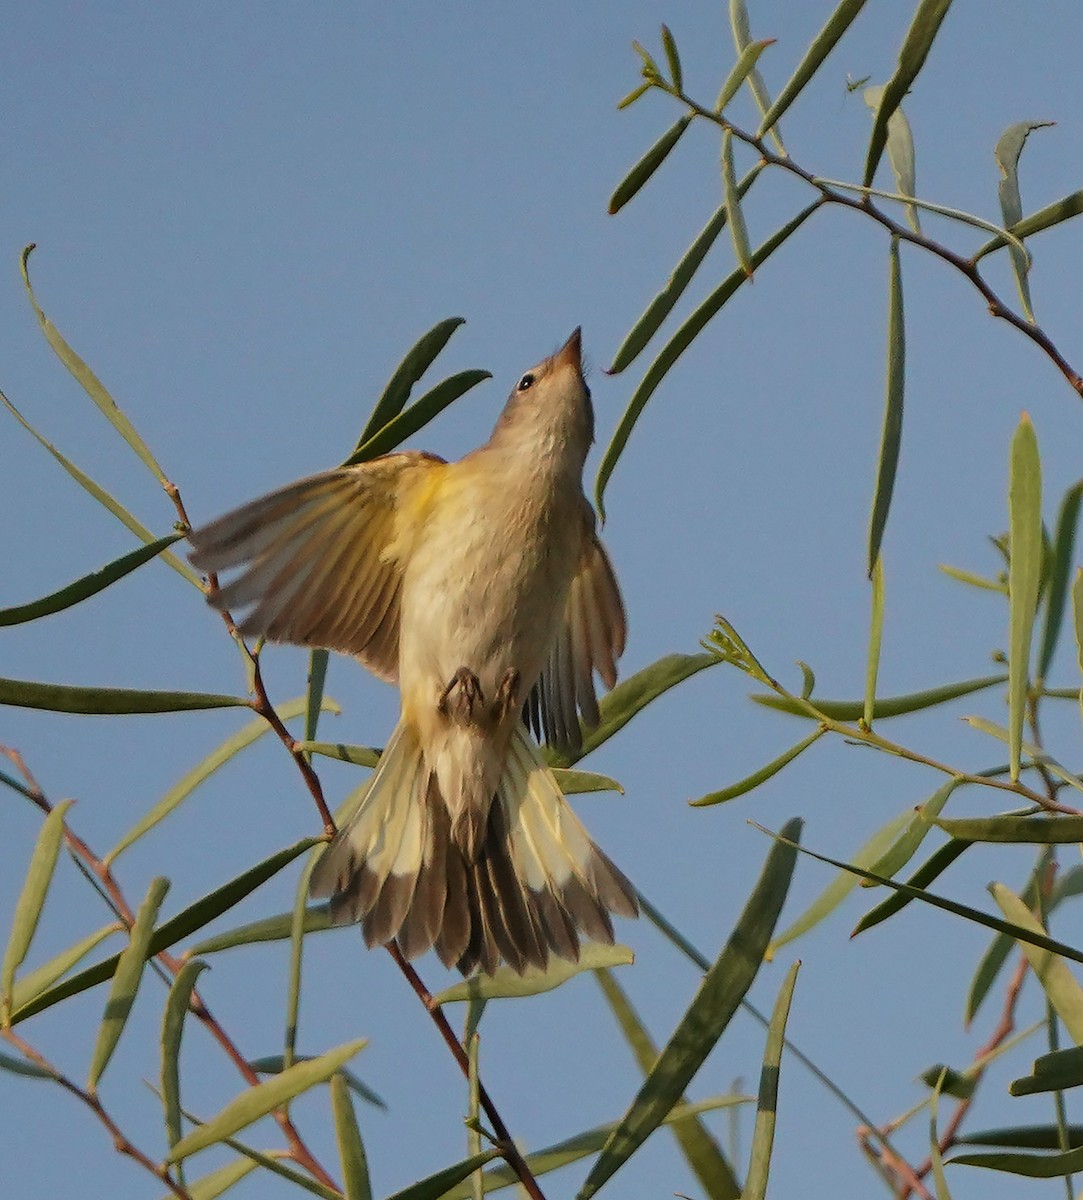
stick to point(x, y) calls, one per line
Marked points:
point(526, 383)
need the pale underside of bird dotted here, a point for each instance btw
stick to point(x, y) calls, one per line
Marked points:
point(480, 588)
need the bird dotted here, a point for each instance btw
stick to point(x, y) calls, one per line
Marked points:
point(482, 589)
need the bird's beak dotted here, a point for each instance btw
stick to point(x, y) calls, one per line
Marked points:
point(570, 353)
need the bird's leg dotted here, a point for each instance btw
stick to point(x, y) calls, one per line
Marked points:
point(507, 694)
point(461, 696)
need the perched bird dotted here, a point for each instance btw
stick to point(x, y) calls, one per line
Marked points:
point(481, 588)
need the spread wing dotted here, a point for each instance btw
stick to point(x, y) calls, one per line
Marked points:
point(590, 639)
point(321, 560)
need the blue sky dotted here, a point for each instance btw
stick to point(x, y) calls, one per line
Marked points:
point(245, 215)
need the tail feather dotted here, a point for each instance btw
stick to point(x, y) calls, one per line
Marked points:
point(535, 884)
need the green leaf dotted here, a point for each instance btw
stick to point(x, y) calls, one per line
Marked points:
point(743, 68)
point(1077, 620)
point(177, 928)
point(919, 38)
point(706, 1161)
point(126, 979)
point(763, 1134)
point(264, 1098)
point(418, 359)
point(360, 756)
point(184, 787)
point(1033, 1166)
point(886, 706)
point(39, 876)
point(268, 929)
point(20, 1066)
point(946, 1081)
point(822, 45)
point(734, 215)
point(631, 697)
point(936, 1155)
point(975, 580)
point(578, 783)
point(673, 59)
point(891, 435)
point(1060, 986)
point(417, 416)
point(634, 95)
point(932, 868)
point(61, 697)
point(1060, 575)
point(351, 1150)
point(1060, 210)
point(919, 825)
point(679, 342)
point(33, 983)
point(757, 777)
point(102, 496)
point(1008, 149)
point(1024, 576)
point(900, 152)
point(88, 381)
point(214, 1183)
point(871, 853)
point(647, 165)
point(87, 586)
point(730, 647)
point(1054, 1072)
point(876, 633)
point(1037, 755)
point(435, 1186)
point(683, 273)
point(275, 1064)
point(1043, 831)
point(720, 994)
point(176, 1009)
point(1023, 1137)
point(996, 955)
point(742, 40)
point(317, 678)
point(504, 982)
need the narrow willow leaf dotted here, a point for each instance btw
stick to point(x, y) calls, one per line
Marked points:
point(578, 783)
point(505, 983)
point(1077, 620)
point(275, 1064)
point(269, 929)
point(679, 342)
point(215, 1183)
point(923, 820)
point(1060, 210)
point(102, 496)
point(1007, 151)
point(919, 39)
point(936, 1157)
point(763, 1134)
point(177, 928)
point(273, 1162)
point(20, 1066)
point(975, 580)
point(647, 165)
point(960, 910)
point(808, 680)
point(60, 697)
point(582, 1145)
point(742, 40)
point(129, 973)
point(351, 1150)
point(718, 998)
point(651, 69)
point(89, 585)
point(39, 875)
point(631, 697)
point(433, 1187)
point(418, 415)
point(1060, 575)
point(1032, 1166)
point(996, 955)
point(417, 361)
point(662, 305)
point(744, 67)
point(702, 1153)
point(184, 787)
point(1043, 831)
point(886, 706)
point(176, 1009)
point(1024, 576)
point(360, 756)
point(734, 215)
point(1054, 1072)
point(757, 777)
point(946, 1081)
point(264, 1098)
point(673, 59)
point(88, 381)
point(843, 884)
point(891, 433)
point(821, 46)
point(1037, 754)
point(876, 634)
point(1059, 984)
point(931, 869)
point(473, 1106)
point(634, 95)
point(900, 153)
point(317, 679)
point(33, 983)
point(1023, 1137)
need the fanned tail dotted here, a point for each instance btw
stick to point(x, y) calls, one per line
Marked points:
point(533, 888)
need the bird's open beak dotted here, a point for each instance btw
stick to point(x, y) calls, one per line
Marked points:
point(570, 353)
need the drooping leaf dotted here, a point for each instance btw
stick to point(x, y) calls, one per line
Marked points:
point(104, 701)
point(886, 706)
point(1053, 214)
point(1007, 151)
point(900, 152)
point(757, 777)
point(647, 165)
point(176, 1009)
point(717, 999)
point(734, 215)
point(891, 434)
point(1024, 576)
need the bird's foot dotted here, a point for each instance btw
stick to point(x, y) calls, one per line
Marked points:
point(507, 694)
point(461, 697)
